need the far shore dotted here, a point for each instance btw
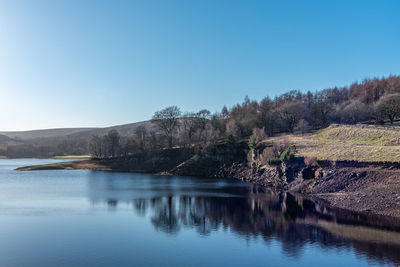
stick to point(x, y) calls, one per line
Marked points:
point(73, 157)
point(350, 167)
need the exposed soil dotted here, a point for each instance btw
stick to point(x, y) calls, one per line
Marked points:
point(367, 189)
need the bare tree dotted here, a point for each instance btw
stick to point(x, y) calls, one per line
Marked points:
point(189, 127)
point(303, 126)
point(141, 135)
point(257, 137)
point(153, 140)
point(388, 106)
point(112, 139)
point(167, 121)
point(202, 118)
point(290, 113)
point(354, 112)
point(128, 145)
point(267, 116)
point(233, 129)
point(95, 146)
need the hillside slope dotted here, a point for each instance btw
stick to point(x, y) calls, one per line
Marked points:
point(53, 142)
point(54, 137)
point(348, 142)
point(43, 133)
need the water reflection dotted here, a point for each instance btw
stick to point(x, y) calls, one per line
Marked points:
point(205, 205)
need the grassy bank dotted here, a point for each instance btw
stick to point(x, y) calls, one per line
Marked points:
point(69, 165)
point(348, 142)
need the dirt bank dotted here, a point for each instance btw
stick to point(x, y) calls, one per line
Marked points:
point(367, 189)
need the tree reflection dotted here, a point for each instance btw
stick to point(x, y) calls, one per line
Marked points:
point(250, 211)
point(165, 216)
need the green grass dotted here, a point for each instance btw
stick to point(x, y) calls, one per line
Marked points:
point(360, 135)
point(348, 142)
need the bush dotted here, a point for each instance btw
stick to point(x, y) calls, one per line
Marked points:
point(272, 156)
point(280, 146)
point(231, 140)
point(252, 142)
point(287, 155)
point(274, 161)
point(257, 137)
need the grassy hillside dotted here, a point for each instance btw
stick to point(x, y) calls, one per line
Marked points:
point(360, 135)
point(349, 142)
point(45, 133)
point(123, 130)
point(57, 136)
point(53, 142)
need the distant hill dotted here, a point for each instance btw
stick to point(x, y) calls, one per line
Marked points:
point(123, 130)
point(5, 140)
point(53, 137)
point(64, 141)
point(26, 135)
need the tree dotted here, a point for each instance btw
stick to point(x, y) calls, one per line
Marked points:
point(195, 123)
point(320, 113)
point(303, 126)
point(127, 146)
point(354, 112)
point(201, 119)
point(167, 120)
point(112, 139)
point(153, 140)
point(224, 113)
point(388, 106)
point(233, 130)
point(267, 116)
point(257, 137)
point(189, 127)
point(95, 146)
point(290, 113)
point(141, 135)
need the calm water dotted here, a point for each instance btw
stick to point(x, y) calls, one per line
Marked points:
point(86, 218)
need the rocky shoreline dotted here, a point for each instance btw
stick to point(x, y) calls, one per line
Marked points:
point(369, 187)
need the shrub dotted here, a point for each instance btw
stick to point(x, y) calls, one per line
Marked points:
point(257, 137)
point(280, 146)
point(272, 156)
point(274, 161)
point(311, 161)
point(252, 142)
point(231, 140)
point(287, 155)
point(267, 154)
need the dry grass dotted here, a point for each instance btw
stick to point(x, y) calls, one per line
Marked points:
point(73, 157)
point(68, 165)
point(343, 142)
point(360, 135)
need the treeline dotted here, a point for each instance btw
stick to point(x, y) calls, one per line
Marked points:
point(20, 149)
point(371, 101)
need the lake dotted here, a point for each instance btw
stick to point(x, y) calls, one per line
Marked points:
point(92, 218)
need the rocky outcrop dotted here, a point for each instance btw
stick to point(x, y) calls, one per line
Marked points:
point(359, 186)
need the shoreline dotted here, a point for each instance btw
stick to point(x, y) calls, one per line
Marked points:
point(370, 188)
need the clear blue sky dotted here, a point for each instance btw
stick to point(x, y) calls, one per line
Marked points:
point(100, 63)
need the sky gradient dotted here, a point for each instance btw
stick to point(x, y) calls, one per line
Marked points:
point(102, 63)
